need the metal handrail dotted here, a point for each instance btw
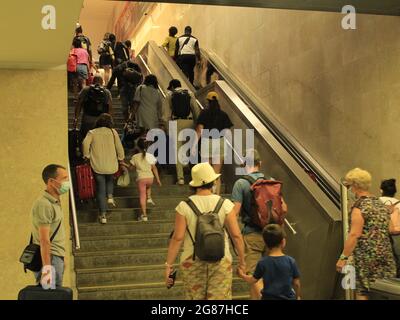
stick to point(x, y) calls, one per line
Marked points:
point(74, 215)
point(345, 222)
point(148, 69)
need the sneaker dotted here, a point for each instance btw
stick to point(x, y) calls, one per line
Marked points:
point(144, 218)
point(111, 202)
point(150, 201)
point(139, 218)
point(103, 219)
point(181, 182)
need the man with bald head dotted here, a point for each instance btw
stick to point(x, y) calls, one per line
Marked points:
point(94, 101)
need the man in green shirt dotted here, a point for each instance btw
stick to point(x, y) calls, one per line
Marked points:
point(47, 220)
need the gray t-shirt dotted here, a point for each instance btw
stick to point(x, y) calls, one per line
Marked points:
point(47, 211)
point(150, 111)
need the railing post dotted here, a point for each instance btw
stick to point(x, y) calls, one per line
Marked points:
point(74, 216)
point(345, 224)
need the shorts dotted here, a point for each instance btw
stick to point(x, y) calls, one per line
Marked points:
point(82, 71)
point(207, 281)
point(213, 149)
point(105, 60)
point(254, 250)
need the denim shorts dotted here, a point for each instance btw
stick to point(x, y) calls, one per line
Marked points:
point(82, 71)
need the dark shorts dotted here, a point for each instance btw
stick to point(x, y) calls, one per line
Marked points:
point(105, 60)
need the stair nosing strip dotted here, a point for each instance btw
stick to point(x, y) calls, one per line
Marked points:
point(122, 268)
point(127, 236)
point(117, 252)
point(133, 286)
point(126, 222)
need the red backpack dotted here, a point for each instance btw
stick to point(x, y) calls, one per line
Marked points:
point(266, 202)
point(72, 62)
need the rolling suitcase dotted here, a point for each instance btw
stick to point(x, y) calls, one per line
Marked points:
point(38, 293)
point(85, 182)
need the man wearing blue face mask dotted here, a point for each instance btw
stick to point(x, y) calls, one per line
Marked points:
point(48, 226)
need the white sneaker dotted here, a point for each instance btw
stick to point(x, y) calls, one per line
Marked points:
point(150, 201)
point(181, 182)
point(103, 219)
point(111, 202)
point(144, 218)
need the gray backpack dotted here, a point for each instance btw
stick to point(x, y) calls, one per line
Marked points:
point(209, 242)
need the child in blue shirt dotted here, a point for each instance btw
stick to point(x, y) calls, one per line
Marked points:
point(279, 272)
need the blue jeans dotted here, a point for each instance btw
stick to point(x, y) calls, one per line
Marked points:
point(58, 264)
point(104, 190)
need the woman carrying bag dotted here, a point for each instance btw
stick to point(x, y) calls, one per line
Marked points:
point(103, 147)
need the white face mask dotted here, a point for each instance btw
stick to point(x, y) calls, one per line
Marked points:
point(64, 188)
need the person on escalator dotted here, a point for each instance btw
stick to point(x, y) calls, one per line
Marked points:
point(187, 53)
point(181, 110)
point(170, 42)
point(129, 76)
point(212, 124)
point(242, 197)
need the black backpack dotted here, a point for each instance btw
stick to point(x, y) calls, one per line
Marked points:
point(132, 76)
point(84, 42)
point(96, 102)
point(180, 104)
point(209, 242)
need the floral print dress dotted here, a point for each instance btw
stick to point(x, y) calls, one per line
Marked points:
point(373, 255)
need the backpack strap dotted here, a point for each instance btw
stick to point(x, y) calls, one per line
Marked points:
point(197, 212)
point(219, 205)
point(194, 208)
point(184, 44)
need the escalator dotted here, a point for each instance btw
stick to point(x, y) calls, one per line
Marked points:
point(314, 220)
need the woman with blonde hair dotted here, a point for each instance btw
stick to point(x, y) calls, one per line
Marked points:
point(368, 240)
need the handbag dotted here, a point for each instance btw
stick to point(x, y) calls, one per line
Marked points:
point(31, 257)
point(124, 180)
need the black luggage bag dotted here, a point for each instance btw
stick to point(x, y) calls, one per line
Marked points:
point(38, 293)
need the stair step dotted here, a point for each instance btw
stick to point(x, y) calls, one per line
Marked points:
point(166, 202)
point(125, 242)
point(122, 275)
point(125, 228)
point(119, 258)
point(169, 190)
point(146, 291)
point(127, 214)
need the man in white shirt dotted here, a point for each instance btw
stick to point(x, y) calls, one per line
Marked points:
point(186, 52)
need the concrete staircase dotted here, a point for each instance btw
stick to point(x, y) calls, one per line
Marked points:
point(125, 258)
